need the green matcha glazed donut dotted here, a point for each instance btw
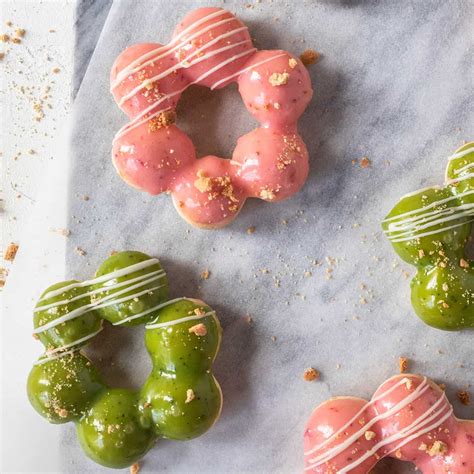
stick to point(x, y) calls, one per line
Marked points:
point(429, 228)
point(180, 400)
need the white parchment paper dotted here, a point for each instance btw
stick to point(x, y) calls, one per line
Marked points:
point(321, 283)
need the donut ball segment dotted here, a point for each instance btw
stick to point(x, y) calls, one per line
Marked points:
point(151, 154)
point(116, 427)
point(145, 296)
point(442, 291)
point(181, 396)
point(66, 334)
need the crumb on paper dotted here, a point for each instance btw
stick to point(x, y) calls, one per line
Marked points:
point(464, 397)
point(364, 162)
point(248, 319)
point(403, 364)
point(2, 55)
point(205, 274)
point(80, 251)
point(279, 79)
point(134, 468)
point(251, 229)
point(199, 330)
point(189, 395)
point(56, 70)
point(10, 252)
point(309, 56)
point(311, 374)
point(273, 338)
point(61, 231)
point(20, 32)
point(4, 38)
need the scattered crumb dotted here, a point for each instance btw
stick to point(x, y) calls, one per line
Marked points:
point(311, 374)
point(189, 395)
point(134, 468)
point(248, 319)
point(403, 364)
point(464, 397)
point(292, 62)
point(4, 38)
point(205, 274)
point(2, 55)
point(442, 386)
point(20, 32)
point(369, 435)
point(61, 231)
point(267, 194)
point(309, 56)
point(80, 251)
point(273, 338)
point(10, 252)
point(16, 40)
point(279, 79)
point(365, 162)
point(251, 229)
point(62, 412)
point(198, 329)
point(56, 70)
point(463, 263)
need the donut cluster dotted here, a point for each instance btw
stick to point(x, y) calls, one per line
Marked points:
point(210, 48)
point(180, 399)
point(408, 418)
point(429, 228)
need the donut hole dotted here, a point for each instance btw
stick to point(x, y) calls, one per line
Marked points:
point(120, 355)
point(214, 119)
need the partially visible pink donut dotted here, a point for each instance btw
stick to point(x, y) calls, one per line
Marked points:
point(408, 418)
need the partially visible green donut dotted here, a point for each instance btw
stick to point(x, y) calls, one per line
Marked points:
point(148, 287)
point(112, 431)
point(61, 389)
point(430, 228)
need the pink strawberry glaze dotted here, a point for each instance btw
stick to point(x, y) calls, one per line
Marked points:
point(210, 47)
point(408, 418)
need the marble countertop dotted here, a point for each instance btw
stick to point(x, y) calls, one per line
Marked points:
point(321, 283)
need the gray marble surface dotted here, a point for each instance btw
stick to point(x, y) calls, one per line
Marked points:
point(393, 85)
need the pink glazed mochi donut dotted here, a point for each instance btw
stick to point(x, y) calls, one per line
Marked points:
point(409, 418)
point(210, 48)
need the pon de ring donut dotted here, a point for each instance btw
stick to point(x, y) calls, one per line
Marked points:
point(210, 48)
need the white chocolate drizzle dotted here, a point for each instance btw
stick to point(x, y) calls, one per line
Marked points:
point(109, 276)
point(137, 64)
point(148, 311)
point(108, 300)
point(74, 343)
point(180, 320)
point(45, 358)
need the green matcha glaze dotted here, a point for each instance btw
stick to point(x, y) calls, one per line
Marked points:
point(118, 312)
point(181, 395)
point(111, 432)
point(66, 334)
point(181, 398)
point(61, 389)
point(430, 229)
